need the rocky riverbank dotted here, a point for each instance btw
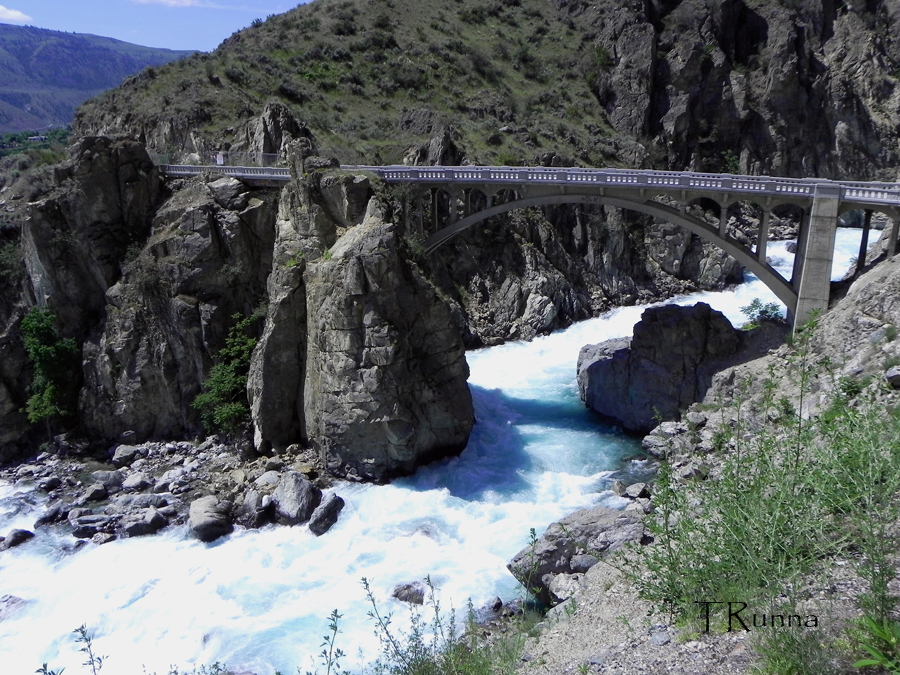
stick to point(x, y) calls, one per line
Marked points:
point(599, 622)
point(138, 490)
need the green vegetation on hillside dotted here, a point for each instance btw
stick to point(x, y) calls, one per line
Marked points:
point(792, 496)
point(511, 77)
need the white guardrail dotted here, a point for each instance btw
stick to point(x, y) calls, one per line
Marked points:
point(860, 192)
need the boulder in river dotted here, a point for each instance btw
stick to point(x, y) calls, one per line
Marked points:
point(413, 593)
point(326, 514)
point(295, 498)
point(667, 365)
point(210, 518)
point(15, 538)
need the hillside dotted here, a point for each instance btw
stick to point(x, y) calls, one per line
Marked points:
point(786, 88)
point(45, 74)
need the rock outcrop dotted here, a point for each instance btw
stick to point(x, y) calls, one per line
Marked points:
point(385, 384)
point(571, 546)
point(206, 259)
point(667, 365)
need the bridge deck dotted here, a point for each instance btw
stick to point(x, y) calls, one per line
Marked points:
point(862, 193)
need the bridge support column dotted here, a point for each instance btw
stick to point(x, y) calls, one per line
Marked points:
point(762, 237)
point(863, 243)
point(815, 253)
point(892, 242)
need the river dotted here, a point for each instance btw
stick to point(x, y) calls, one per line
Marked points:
point(258, 600)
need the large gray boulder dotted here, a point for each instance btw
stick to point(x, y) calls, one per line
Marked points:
point(210, 518)
point(667, 365)
point(295, 498)
point(568, 543)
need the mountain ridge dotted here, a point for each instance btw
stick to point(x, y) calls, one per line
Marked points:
point(45, 75)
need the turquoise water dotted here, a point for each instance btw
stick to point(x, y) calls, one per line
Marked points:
point(258, 600)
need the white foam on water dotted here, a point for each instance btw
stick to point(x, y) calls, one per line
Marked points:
point(259, 600)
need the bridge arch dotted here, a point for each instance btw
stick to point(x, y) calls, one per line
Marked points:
point(780, 286)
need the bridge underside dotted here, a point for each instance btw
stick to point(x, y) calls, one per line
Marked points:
point(808, 289)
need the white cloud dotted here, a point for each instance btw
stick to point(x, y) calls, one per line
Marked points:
point(13, 16)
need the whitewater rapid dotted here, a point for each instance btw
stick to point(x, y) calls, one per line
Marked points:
point(258, 601)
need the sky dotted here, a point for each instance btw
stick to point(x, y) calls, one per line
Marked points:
point(172, 24)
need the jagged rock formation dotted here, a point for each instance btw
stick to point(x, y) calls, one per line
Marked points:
point(386, 374)
point(531, 272)
point(667, 365)
point(150, 281)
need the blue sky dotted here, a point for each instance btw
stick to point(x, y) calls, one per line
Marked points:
point(174, 24)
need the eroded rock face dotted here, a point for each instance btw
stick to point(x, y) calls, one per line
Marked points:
point(75, 239)
point(667, 365)
point(206, 259)
point(385, 387)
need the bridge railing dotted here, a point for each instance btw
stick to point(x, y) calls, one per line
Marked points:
point(262, 173)
point(863, 192)
point(806, 188)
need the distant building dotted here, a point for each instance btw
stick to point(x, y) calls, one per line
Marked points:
point(37, 139)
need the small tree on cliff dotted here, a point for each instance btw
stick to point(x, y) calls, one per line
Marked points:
point(55, 361)
point(223, 403)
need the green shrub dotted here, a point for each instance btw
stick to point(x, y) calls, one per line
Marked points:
point(436, 647)
point(757, 312)
point(223, 403)
point(55, 362)
point(10, 264)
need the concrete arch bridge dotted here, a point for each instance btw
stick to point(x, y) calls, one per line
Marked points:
point(470, 195)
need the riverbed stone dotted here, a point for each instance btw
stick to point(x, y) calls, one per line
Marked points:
point(136, 481)
point(149, 522)
point(124, 455)
point(326, 514)
point(254, 511)
point(210, 518)
point(108, 479)
point(295, 498)
point(16, 538)
point(413, 593)
point(55, 513)
point(94, 493)
point(50, 484)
